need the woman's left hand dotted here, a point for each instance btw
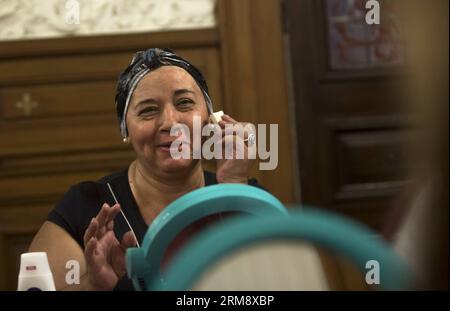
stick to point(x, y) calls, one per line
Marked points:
point(235, 170)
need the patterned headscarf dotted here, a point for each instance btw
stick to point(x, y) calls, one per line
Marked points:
point(144, 62)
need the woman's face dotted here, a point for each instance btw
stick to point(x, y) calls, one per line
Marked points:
point(164, 97)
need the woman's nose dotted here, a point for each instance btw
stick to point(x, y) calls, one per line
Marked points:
point(169, 118)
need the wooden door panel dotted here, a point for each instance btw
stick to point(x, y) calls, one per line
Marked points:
point(57, 100)
point(352, 131)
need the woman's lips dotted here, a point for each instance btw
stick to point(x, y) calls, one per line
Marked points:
point(166, 147)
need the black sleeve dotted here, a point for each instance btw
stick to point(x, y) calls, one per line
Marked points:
point(76, 209)
point(124, 284)
point(253, 182)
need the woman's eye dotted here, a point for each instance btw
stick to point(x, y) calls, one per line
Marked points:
point(148, 110)
point(185, 103)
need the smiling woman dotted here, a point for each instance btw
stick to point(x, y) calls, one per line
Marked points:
point(167, 96)
point(156, 91)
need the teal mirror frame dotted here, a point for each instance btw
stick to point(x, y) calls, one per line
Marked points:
point(143, 264)
point(347, 238)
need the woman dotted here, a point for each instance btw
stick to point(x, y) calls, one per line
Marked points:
point(158, 90)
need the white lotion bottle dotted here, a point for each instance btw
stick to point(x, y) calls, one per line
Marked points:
point(35, 273)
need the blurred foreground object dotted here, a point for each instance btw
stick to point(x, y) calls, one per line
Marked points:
point(423, 236)
point(338, 234)
point(270, 223)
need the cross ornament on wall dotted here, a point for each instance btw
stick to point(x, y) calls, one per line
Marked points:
point(27, 104)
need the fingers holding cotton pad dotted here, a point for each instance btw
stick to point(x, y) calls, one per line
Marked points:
point(216, 117)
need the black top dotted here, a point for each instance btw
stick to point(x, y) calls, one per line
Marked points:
point(83, 202)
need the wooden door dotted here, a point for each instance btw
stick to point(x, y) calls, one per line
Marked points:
point(351, 126)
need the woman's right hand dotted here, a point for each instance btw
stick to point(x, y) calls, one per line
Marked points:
point(104, 254)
